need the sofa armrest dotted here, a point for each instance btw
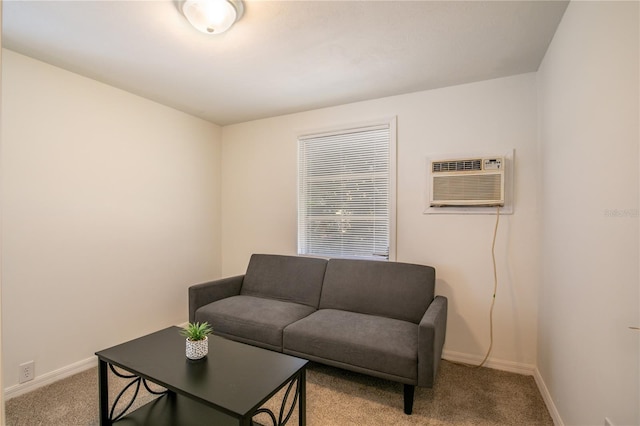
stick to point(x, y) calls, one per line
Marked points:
point(431, 335)
point(205, 293)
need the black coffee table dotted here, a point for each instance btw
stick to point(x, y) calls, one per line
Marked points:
point(228, 387)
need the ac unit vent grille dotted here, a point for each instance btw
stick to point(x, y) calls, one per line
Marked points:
point(457, 165)
point(477, 189)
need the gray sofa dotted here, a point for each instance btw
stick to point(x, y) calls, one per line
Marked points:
point(372, 317)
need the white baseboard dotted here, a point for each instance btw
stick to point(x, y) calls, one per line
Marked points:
point(553, 411)
point(496, 364)
point(50, 377)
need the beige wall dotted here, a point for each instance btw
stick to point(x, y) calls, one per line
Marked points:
point(110, 211)
point(259, 203)
point(113, 205)
point(589, 92)
point(2, 417)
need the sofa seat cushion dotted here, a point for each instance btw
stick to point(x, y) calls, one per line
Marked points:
point(252, 320)
point(374, 343)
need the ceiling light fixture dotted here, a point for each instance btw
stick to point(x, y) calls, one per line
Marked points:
point(212, 16)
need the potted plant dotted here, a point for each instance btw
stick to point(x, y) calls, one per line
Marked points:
point(197, 339)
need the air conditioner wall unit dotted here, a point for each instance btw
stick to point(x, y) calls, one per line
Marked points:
point(467, 182)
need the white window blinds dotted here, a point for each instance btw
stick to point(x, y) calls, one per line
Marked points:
point(344, 193)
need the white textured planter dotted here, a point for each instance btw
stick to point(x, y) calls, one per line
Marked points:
point(197, 349)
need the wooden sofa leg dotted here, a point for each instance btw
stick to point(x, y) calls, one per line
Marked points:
point(409, 390)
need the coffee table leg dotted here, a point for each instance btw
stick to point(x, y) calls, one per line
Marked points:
point(300, 398)
point(302, 402)
point(103, 391)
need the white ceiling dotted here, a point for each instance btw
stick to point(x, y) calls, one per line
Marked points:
point(283, 56)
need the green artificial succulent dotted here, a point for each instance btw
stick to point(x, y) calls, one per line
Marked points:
point(195, 331)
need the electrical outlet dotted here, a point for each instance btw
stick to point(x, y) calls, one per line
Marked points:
point(607, 422)
point(26, 371)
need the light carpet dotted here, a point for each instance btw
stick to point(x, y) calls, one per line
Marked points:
point(461, 396)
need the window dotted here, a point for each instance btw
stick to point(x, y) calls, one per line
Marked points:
point(345, 193)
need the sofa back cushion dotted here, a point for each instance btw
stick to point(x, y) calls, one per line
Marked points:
point(288, 278)
point(390, 289)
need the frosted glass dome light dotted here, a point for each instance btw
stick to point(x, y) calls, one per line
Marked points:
point(212, 16)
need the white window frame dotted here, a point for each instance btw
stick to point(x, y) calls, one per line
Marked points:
point(390, 123)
